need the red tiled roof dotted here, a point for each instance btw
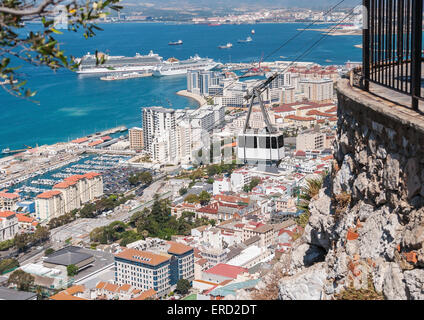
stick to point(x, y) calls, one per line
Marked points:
point(95, 143)
point(142, 256)
point(178, 248)
point(146, 294)
point(297, 118)
point(300, 153)
point(91, 175)
point(6, 214)
point(106, 138)
point(226, 270)
point(79, 140)
point(231, 199)
point(23, 218)
point(327, 158)
point(9, 195)
point(283, 108)
point(74, 178)
point(319, 113)
point(64, 184)
point(211, 208)
point(48, 194)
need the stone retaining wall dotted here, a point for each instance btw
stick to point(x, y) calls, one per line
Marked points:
point(383, 146)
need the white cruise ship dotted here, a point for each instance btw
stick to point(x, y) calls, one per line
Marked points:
point(175, 67)
point(114, 64)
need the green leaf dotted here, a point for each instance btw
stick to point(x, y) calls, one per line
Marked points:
point(56, 31)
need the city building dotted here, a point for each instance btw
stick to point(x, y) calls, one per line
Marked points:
point(320, 90)
point(311, 140)
point(49, 205)
point(199, 81)
point(8, 201)
point(9, 226)
point(12, 294)
point(136, 138)
point(158, 267)
point(159, 134)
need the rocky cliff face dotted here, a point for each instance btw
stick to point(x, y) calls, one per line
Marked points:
point(377, 235)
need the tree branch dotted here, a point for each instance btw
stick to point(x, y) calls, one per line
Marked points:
point(28, 12)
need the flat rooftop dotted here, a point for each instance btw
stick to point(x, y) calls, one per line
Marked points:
point(12, 294)
point(67, 256)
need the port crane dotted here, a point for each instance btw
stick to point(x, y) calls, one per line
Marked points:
point(263, 147)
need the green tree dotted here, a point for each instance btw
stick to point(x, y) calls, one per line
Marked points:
point(23, 281)
point(183, 286)
point(5, 245)
point(36, 44)
point(49, 251)
point(204, 197)
point(146, 178)
point(182, 191)
point(22, 241)
point(41, 234)
point(192, 198)
point(72, 270)
point(8, 264)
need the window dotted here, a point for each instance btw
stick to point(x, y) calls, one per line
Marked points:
point(274, 142)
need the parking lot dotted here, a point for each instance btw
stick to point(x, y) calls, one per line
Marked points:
point(115, 181)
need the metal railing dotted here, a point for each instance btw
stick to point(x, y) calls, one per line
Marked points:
point(392, 46)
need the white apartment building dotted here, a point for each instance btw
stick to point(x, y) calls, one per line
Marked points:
point(8, 201)
point(221, 185)
point(136, 138)
point(317, 90)
point(184, 142)
point(203, 119)
point(310, 141)
point(288, 95)
point(70, 194)
point(143, 270)
point(158, 268)
point(159, 134)
point(9, 226)
point(239, 178)
point(49, 205)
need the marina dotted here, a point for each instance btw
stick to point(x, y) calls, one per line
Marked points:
point(29, 186)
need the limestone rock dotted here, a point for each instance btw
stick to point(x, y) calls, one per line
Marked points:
point(391, 172)
point(414, 280)
point(306, 285)
point(344, 178)
point(393, 283)
point(378, 234)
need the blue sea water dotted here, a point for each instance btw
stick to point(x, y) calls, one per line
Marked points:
point(71, 106)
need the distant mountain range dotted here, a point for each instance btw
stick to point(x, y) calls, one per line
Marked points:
point(228, 4)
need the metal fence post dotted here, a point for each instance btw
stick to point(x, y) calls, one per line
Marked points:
point(417, 18)
point(366, 46)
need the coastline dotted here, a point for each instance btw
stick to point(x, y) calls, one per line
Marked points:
point(199, 99)
point(336, 33)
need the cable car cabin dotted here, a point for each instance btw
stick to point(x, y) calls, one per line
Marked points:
point(264, 147)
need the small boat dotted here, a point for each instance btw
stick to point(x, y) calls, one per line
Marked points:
point(8, 82)
point(176, 43)
point(227, 46)
point(253, 31)
point(248, 39)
